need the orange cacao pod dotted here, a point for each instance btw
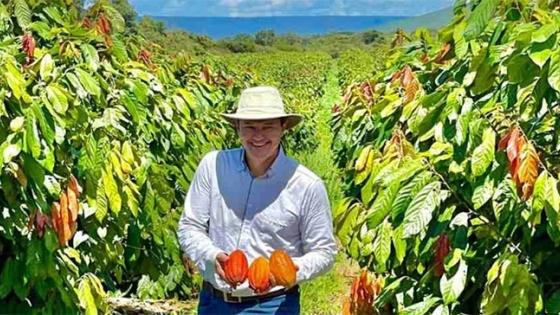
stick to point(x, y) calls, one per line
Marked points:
point(283, 268)
point(259, 275)
point(237, 267)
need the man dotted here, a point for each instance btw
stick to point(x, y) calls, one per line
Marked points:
point(256, 199)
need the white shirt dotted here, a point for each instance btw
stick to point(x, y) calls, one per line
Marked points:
point(226, 208)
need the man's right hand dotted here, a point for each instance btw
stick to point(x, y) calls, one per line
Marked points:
point(221, 260)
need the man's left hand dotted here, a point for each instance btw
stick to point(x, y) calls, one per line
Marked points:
point(273, 281)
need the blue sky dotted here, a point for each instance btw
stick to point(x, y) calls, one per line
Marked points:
point(287, 7)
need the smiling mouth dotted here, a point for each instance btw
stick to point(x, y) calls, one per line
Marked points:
point(260, 145)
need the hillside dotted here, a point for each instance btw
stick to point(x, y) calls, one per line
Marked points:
point(433, 20)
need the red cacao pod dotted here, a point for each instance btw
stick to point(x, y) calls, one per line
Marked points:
point(283, 268)
point(259, 275)
point(236, 268)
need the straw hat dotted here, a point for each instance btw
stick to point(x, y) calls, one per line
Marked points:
point(259, 103)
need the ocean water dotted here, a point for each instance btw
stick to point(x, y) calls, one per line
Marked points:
point(221, 27)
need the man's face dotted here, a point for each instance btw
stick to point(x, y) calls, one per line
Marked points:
point(260, 138)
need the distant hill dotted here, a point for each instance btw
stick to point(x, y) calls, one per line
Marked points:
point(222, 27)
point(433, 20)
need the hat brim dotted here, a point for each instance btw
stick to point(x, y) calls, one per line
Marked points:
point(292, 119)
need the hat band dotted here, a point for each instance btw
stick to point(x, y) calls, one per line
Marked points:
point(257, 111)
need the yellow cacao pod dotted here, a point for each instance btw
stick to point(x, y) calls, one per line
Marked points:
point(283, 268)
point(259, 275)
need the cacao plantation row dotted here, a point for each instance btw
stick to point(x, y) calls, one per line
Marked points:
point(100, 134)
point(356, 65)
point(451, 156)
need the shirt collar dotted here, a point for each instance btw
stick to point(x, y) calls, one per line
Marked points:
point(274, 167)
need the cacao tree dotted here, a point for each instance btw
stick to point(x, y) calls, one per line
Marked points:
point(452, 162)
point(100, 134)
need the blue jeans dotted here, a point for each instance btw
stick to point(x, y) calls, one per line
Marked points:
point(215, 305)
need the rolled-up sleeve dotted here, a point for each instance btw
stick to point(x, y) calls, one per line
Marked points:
point(193, 224)
point(316, 228)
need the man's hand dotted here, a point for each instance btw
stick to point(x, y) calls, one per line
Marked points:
point(221, 260)
point(273, 281)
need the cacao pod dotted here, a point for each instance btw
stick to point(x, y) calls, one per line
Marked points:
point(236, 268)
point(259, 275)
point(283, 268)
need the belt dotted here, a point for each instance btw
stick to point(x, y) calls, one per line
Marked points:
point(228, 297)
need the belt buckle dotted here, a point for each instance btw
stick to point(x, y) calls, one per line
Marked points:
point(236, 299)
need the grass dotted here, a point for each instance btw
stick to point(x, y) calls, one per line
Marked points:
point(325, 294)
point(320, 161)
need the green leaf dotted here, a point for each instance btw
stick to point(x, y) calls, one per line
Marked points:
point(521, 68)
point(45, 122)
point(461, 46)
point(554, 70)
point(119, 49)
point(382, 246)
point(52, 186)
point(485, 77)
point(345, 231)
point(115, 19)
point(131, 201)
point(539, 192)
point(51, 240)
point(133, 108)
point(44, 30)
point(11, 151)
point(127, 153)
point(483, 155)
point(101, 201)
point(33, 169)
point(54, 14)
point(15, 80)
point(419, 213)
point(482, 192)
point(452, 288)
point(111, 190)
point(7, 280)
point(463, 128)
point(91, 56)
point(23, 13)
point(407, 192)
point(552, 194)
point(382, 206)
point(47, 66)
point(86, 298)
point(57, 98)
point(508, 274)
point(544, 32)
point(479, 18)
point(88, 82)
point(553, 303)
point(403, 173)
point(541, 52)
point(399, 243)
point(32, 140)
point(420, 308)
point(441, 310)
